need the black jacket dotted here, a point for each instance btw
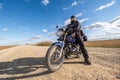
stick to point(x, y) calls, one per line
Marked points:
point(73, 26)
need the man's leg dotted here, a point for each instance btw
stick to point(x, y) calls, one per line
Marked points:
point(83, 49)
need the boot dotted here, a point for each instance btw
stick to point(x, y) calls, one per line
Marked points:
point(87, 61)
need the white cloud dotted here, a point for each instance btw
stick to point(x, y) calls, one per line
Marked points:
point(113, 24)
point(106, 5)
point(75, 3)
point(105, 36)
point(5, 29)
point(78, 15)
point(116, 20)
point(45, 2)
point(34, 37)
point(105, 30)
point(32, 40)
point(66, 22)
point(53, 33)
point(44, 30)
point(83, 20)
point(95, 25)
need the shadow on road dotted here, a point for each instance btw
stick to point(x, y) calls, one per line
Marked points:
point(23, 66)
point(74, 63)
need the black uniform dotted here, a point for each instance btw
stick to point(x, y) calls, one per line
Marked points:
point(76, 28)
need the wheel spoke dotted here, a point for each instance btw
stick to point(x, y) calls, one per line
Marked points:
point(54, 58)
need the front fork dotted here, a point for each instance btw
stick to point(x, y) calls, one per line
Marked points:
point(61, 51)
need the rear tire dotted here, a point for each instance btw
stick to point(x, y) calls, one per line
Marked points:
point(49, 54)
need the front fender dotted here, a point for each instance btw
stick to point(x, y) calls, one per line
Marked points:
point(58, 44)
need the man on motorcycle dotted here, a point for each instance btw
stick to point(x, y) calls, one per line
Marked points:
point(76, 29)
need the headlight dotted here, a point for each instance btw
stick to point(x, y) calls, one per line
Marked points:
point(59, 33)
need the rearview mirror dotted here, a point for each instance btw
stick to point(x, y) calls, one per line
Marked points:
point(57, 26)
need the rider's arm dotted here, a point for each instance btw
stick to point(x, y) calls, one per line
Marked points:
point(67, 28)
point(77, 26)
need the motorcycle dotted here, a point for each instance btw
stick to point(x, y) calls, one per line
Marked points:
point(67, 46)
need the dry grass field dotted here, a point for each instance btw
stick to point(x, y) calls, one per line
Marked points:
point(45, 43)
point(104, 43)
point(5, 47)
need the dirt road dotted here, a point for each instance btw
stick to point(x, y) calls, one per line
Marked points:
point(28, 63)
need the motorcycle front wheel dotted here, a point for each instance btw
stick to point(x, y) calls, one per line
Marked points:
point(53, 61)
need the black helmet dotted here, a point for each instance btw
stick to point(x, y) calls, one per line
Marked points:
point(73, 16)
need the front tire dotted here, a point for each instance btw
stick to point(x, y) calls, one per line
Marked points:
point(51, 58)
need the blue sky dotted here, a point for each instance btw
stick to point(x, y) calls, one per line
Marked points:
point(31, 21)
